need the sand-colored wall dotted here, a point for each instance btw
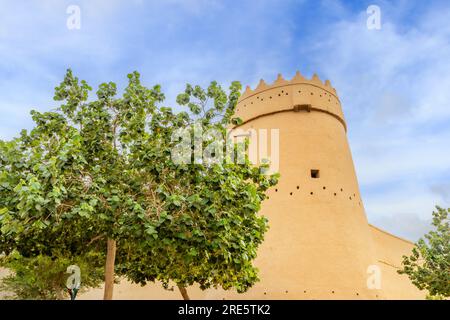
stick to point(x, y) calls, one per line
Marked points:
point(319, 244)
point(389, 250)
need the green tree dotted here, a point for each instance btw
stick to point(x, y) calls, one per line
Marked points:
point(428, 267)
point(208, 229)
point(71, 181)
point(102, 171)
point(44, 278)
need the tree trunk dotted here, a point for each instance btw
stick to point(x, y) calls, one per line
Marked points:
point(184, 292)
point(109, 269)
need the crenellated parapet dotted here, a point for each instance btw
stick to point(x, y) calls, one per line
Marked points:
point(296, 95)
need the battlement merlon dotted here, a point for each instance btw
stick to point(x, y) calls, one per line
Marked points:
point(296, 95)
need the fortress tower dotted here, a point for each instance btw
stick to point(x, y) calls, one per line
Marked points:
point(319, 245)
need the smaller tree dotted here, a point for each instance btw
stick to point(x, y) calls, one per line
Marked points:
point(44, 277)
point(429, 265)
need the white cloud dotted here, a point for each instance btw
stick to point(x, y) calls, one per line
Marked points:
point(394, 84)
point(405, 225)
point(442, 190)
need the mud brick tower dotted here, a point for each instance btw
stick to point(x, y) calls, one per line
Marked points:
point(320, 244)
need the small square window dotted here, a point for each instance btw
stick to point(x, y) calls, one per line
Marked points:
point(315, 173)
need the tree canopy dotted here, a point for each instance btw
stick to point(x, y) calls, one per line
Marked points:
point(428, 266)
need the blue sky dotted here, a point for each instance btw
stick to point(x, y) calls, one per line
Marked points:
point(394, 83)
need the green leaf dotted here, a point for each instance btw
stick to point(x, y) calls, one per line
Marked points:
point(150, 230)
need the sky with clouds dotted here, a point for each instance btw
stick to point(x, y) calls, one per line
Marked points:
point(394, 83)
